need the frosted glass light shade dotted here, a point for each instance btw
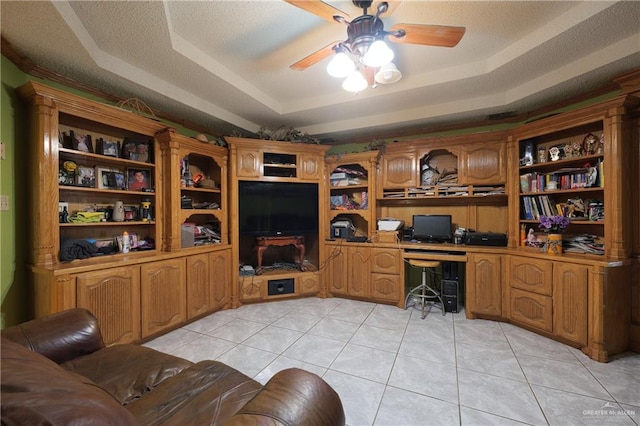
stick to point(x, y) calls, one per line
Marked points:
point(378, 54)
point(341, 65)
point(355, 82)
point(388, 74)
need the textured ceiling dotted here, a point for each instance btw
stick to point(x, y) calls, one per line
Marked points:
point(225, 64)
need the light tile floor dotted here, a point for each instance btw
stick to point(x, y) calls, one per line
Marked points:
point(390, 367)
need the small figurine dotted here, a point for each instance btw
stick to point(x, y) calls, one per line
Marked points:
point(568, 150)
point(542, 155)
point(554, 153)
point(590, 143)
point(600, 149)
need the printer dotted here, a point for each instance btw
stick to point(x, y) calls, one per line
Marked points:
point(485, 239)
point(341, 229)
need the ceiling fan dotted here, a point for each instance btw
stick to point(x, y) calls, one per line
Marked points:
point(363, 57)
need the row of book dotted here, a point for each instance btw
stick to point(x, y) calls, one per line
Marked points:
point(539, 205)
point(564, 179)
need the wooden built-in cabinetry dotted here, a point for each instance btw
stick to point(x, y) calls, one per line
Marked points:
point(352, 193)
point(583, 299)
point(141, 293)
point(278, 162)
point(197, 193)
point(360, 271)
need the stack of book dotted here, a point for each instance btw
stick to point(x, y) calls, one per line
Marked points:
point(583, 243)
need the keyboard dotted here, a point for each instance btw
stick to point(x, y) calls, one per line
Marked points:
point(459, 253)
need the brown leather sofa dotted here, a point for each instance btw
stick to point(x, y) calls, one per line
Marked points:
point(57, 371)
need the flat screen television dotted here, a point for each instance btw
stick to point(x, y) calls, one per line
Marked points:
point(277, 208)
point(434, 228)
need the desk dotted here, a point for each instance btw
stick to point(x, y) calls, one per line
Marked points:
point(262, 243)
point(451, 281)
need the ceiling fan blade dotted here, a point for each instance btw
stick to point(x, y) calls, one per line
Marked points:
point(429, 35)
point(318, 8)
point(393, 5)
point(314, 58)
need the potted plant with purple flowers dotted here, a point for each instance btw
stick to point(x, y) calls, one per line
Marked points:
point(554, 226)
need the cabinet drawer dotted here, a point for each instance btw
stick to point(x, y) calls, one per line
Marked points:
point(531, 275)
point(386, 261)
point(532, 309)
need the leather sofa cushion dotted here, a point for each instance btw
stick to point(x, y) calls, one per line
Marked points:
point(208, 392)
point(127, 372)
point(36, 390)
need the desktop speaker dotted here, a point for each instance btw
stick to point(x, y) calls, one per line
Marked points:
point(451, 296)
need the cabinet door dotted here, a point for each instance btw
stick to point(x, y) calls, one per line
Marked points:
point(358, 282)
point(337, 270)
point(385, 287)
point(309, 167)
point(249, 163)
point(530, 274)
point(483, 164)
point(221, 278)
point(385, 261)
point(484, 284)
point(399, 170)
point(532, 309)
point(251, 288)
point(164, 295)
point(570, 302)
point(309, 284)
point(199, 285)
point(113, 296)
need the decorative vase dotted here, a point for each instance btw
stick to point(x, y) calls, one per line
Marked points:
point(118, 211)
point(554, 244)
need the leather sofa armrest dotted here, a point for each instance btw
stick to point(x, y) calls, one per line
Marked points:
point(293, 397)
point(60, 337)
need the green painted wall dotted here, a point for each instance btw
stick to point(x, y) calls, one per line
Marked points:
point(14, 178)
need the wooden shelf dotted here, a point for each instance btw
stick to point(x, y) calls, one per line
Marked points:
point(83, 157)
point(111, 192)
point(125, 223)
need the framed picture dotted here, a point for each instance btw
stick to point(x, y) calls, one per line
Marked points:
point(81, 142)
point(121, 182)
point(110, 179)
point(137, 150)
point(138, 179)
point(86, 176)
point(108, 147)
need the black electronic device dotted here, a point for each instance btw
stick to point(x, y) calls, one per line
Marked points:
point(277, 208)
point(432, 228)
point(451, 296)
point(450, 271)
point(358, 239)
point(282, 286)
point(407, 234)
point(493, 239)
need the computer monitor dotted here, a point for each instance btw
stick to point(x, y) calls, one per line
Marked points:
point(434, 228)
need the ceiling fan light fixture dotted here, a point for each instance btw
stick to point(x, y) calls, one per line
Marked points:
point(355, 82)
point(341, 65)
point(378, 54)
point(388, 74)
